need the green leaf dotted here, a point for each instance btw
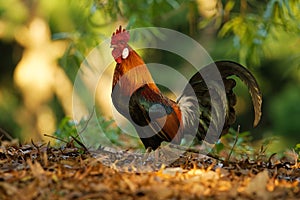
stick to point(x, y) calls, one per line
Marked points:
point(297, 146)
point(229, 6)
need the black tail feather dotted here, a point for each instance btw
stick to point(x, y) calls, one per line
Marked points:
point(214, 110)
point(229, 68)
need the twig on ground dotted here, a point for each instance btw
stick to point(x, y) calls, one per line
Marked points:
point(57, 138)
point(6, 134)
point(235, 141)
point(87, 122)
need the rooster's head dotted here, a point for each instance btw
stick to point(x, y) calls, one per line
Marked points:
point(119, 44)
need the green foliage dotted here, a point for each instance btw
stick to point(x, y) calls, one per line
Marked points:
point(254, 25)
point(9, 17)
point(94, 133)
point(285, 113)
point(297, 149)
point(241, 146)
point(8, 100)
point(92, 18)
point(134, 11)
point(66, 129)
point(240, 141)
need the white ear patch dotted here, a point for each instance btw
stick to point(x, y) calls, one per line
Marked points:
point(125, 53)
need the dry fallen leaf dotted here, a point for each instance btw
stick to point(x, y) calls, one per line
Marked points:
point(39, 172)
point(258, 185)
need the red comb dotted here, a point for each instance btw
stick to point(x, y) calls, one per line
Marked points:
point(120, 35)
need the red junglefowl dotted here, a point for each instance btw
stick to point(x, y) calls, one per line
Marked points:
point(157, 118)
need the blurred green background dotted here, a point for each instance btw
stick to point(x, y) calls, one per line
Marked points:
point(42, 44)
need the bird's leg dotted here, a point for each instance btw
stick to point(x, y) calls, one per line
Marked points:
point(146, 154)
point(149, 149)
point(152, 155)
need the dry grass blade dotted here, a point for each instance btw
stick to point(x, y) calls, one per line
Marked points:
point(6, 134)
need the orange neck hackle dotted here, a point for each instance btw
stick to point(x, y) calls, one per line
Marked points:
point(132, 73)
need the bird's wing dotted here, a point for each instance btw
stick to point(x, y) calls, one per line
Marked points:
point(154, 114)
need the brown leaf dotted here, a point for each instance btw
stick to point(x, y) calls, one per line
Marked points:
point(172, 171)
point(36, 168)
point(258, 185)
point(9, 189)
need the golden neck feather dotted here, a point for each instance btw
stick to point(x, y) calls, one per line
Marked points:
point(132, 73)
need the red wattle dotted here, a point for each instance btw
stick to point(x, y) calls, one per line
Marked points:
point(118, 60)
